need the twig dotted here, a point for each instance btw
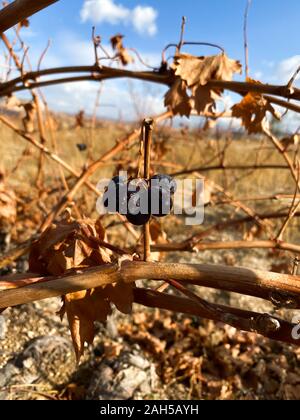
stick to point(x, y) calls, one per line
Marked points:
point(43, 55)
point(284, 154)
point(181, 41)
point(246, 46)
point(148, 130)
point(231, 168)
point(204, 246)
point(293, 210)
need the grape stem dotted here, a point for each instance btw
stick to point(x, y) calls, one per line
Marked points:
point(148, 125)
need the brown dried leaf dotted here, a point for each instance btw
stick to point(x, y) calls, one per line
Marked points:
point(177, 99)
point(122, 52)
point(194, 73)
point(292, 141)
point(121, 294)
point(83, 310)
point(199, 70)
point(55, 236)
point(24, 24)
point(69, 245)
point(28, 120)
point(8, 205)
point(80, 119)
point(204, 99)
point(252, 110)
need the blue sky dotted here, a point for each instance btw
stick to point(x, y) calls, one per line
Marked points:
point(151, 24)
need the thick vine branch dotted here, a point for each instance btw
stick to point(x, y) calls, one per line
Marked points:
point(97, 73)
point(19, 10)
point(266, 325)
point(261, 284)
point(282, 290)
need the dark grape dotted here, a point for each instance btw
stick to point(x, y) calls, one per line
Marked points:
point(164, 181)
point(161, 202)
point(81, 147)
point(138, 219)
point(138, 204)
point(119, 180)
point(119, 201)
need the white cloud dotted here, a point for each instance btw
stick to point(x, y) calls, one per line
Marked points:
point(280, 73)
point(99, 11)
point(287, 68)
point(142, 18)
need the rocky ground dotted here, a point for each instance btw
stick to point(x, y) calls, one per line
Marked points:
point(150, 355)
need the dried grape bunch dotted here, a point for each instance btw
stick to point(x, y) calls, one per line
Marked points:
point(139, 199)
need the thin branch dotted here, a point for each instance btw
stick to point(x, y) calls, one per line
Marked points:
point(285, 155)
point(181, 41)
point(205, 246)
point(231, 168)
point(246, 46)
point(233, 223)
point(293, 210)
point(43, 55)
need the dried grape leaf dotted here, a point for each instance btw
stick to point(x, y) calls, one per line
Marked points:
point(8, 205)
point(69, 245)
point(177, 99)
point(204, 99)
point(83, 309)
point(24, 23)
point(193, 74)
point(252, 110)
point(121, 294)
point(121, 52)
point(199, 70)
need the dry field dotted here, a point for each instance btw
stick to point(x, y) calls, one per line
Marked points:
point(151, 354)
